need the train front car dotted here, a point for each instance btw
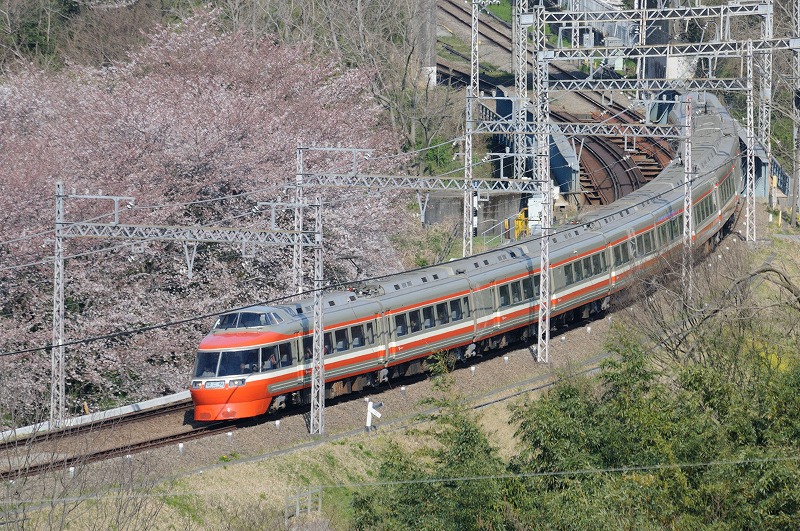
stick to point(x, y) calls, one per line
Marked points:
point(237, 362)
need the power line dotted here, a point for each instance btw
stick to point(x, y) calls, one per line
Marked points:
point(576, 472)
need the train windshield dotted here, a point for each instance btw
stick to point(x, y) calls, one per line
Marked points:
point(206, 364)
point(211, 364)
point(247, 320)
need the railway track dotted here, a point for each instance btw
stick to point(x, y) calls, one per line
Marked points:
point(30, 468)
point(101, 424)
point(610, 168)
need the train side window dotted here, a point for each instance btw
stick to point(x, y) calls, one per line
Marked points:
point(527, 288)
point(369, 333)
point(465, 306)
point(285, 350)
point(648, 242)
point(269, 358)
point(596, 265)
point(587, 267)
point(455, 310)
point(327, 343)
point(516, 292)
point(578, 269)
point(342, 343)
point(427, 317)
point(568, 274)
point(308, 348)
point(357, 335)
point(617, 255)
point(536, 286)
point(400, 325)
point(414, 322)
point(441, 314)
point(502, 292)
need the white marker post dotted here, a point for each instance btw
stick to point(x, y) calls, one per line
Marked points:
point(372, 410)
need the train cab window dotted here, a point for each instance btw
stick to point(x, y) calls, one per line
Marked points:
point(414, 321)
point(327, 343)
point(400, 325)
point(251, 320)
point(275, 318)
point(427, 317)
point(502, 293)
point(455, 310)
point(342, 343)
point(569, 276)
point(285, 351)
point(442, 318)
point(206, 364)
point(516, 292)
point(465, 306)
point(369, 334)
point(227, 321)
point(357, 335)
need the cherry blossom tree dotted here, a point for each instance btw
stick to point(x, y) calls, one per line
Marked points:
point(198, 126)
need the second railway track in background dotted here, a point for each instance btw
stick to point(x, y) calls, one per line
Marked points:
point(599, 184)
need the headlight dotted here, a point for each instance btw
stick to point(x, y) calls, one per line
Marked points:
point(236, 383)
point(197, 384)
point(215, 384)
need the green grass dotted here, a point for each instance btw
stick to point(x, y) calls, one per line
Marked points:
point(188, 506)
point(503, 10)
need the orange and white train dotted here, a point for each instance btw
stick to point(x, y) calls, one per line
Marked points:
point(258, 358)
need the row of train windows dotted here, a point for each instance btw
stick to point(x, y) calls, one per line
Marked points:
point(247, 320)
point(642, 245)
point(704, 209)
point(671, 230)
point(518, 291)
point(341, 340)
point(585, 268)
point(726, 189)
point(431, 316)
point(246, 361)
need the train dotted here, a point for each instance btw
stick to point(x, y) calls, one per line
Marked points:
point(258, 359)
